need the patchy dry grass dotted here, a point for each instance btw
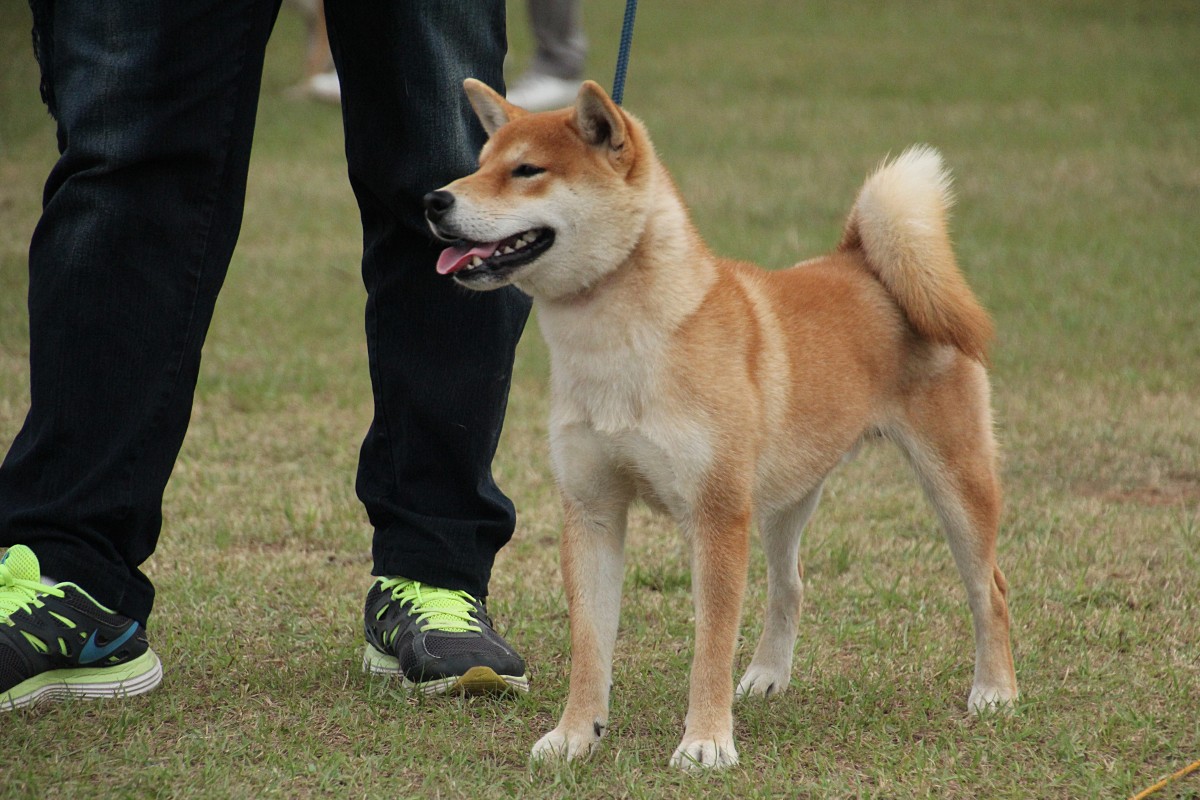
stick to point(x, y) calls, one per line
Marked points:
point(1074, 130)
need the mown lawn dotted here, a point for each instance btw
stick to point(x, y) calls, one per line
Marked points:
point(1073, 129)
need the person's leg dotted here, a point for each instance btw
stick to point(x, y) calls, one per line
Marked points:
point(320, 78)
point(554, 75)
point(440, 357)
point(155, 104)
point(559, 36)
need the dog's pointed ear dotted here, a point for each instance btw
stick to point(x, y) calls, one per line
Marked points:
point(490, 106)
point(598, 119)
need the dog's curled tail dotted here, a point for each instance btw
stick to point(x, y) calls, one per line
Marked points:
point(899, 221)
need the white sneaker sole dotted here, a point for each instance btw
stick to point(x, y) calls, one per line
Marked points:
point(476, 680)
point(138, 676)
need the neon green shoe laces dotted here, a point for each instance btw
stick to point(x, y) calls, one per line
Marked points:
point(437, 609)
point(21, 582)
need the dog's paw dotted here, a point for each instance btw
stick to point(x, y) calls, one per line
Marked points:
point(694, 754)
point(985, 700)
point(763, 681)
point(564, 745)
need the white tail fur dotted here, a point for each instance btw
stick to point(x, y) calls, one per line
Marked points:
point(899, 221)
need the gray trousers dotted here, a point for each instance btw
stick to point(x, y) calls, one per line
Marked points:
point(561, 44)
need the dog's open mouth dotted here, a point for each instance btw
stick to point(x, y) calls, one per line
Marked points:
point(464, 258)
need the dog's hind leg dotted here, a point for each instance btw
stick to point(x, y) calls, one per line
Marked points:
point(949, 441)
point(771, 668)
point(593, 560)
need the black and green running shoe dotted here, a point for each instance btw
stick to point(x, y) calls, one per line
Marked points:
point(438, 640)
point(57, 642)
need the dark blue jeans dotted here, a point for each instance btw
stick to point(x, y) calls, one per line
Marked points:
point(155, 103)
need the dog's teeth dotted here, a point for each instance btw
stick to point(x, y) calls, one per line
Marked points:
point(475, 262)
point(506, 251)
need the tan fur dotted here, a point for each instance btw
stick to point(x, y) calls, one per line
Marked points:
point(720, 392)
point(899, 221)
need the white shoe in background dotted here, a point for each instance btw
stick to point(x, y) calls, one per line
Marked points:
point(325, 86)
point(536, 92)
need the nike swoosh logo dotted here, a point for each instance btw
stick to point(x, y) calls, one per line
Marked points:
point(91, 653)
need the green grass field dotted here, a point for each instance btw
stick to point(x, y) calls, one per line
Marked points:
point(1073, 128)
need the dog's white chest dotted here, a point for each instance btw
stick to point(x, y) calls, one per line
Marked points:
point(606, 394)
point(603, 374)
point(668, 460)
point(670, 468)
point(612, 412)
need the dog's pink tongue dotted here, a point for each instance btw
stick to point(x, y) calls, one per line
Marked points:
point(456, 257)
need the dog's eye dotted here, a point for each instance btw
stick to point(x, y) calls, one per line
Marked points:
point(527, 171)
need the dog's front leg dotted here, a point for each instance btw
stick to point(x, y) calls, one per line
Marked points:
point(720, 552)
point(593, 560)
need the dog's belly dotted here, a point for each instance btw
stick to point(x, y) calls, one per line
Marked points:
point(789, 471)
point(672, 463)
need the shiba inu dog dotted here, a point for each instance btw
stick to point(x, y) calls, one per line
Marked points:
point(720, 392)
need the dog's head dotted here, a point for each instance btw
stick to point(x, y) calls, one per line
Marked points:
point(556, 202)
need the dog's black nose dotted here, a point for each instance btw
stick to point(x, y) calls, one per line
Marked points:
point(438, 204)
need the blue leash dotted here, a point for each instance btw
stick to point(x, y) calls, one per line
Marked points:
point(623, 53)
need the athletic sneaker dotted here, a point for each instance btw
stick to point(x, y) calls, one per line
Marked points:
point(535, 91)
point(325, 86)
point(57, 642)
point(437, 639)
